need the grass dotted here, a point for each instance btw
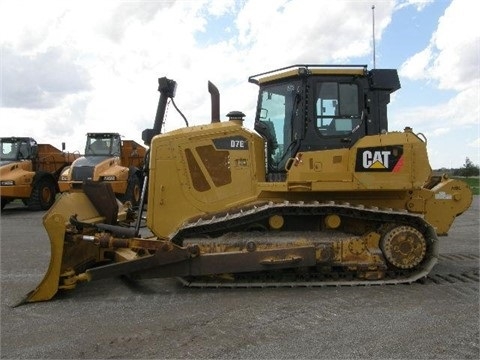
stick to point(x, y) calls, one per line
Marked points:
point(473, 182)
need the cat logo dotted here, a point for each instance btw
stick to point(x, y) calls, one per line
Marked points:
point(384, 158)
point(375, 159)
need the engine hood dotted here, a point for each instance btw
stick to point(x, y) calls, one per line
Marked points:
point(91, 160)
point(6, 162)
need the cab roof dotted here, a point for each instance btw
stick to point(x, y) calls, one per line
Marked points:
point(102, 135)
point(302, 70)
point(16, 139)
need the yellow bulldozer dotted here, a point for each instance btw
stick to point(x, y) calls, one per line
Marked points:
point(319, 193)
point(109, 159)
point(29, 171)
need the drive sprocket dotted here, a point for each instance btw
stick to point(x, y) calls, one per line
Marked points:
point(404, 247)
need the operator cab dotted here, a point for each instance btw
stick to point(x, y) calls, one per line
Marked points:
point(103, 144)
point(319, 107)
point(16, 149)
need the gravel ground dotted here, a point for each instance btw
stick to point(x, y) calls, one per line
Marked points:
point(115, 318)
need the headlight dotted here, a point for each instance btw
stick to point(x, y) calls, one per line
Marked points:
point(64, 178)
point(7, 182)
point(109, 178)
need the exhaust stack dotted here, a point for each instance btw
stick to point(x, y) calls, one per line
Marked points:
point(215, 96)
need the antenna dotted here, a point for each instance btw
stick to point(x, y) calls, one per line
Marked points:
point(373, 34)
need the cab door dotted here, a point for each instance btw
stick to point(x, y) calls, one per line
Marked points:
point(337, 117)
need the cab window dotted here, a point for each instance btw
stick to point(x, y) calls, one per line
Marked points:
point(337, 108)
point(278, 107)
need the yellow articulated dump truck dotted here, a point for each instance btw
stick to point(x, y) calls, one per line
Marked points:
point(111, 160)
point(319, 193)
point(29, 171)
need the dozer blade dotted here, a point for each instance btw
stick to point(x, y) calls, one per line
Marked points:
point(48, 287)
point(62, 255)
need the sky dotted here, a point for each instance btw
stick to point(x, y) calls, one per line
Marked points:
point(70, 67)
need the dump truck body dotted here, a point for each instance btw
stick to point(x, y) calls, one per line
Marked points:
point(29, 171)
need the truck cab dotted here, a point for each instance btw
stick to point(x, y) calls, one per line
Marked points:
point(17, 149)
point(29, 171)
point(108, 159)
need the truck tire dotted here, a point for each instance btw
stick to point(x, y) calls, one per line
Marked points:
point(43, 194)
point(5, 202)
point(134, 190)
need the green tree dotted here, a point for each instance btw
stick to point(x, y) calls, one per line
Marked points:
point(469, 169)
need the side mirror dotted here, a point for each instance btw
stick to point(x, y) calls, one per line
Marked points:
point(34, 150)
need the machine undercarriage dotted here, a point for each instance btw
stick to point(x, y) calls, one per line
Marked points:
point(348, 244)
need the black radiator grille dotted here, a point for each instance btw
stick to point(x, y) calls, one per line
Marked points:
point(82, 173)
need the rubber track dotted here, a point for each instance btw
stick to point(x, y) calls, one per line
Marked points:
point(248, 215)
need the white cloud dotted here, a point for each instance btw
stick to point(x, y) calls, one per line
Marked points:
point(415, 68)
point(452, 57)
point(475, 143)
point(40, 80)
point(109, 54)
point(275, 35)
point(418, 4)
point(458, 42)
point(220, 7)
point(460, 111)
point(450, 62)
point(441, 131)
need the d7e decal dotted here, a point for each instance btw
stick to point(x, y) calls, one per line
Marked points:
point(231, 143)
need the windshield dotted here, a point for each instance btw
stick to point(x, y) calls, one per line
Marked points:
point(14, 149)
point(103, 144)
point(278, 106)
